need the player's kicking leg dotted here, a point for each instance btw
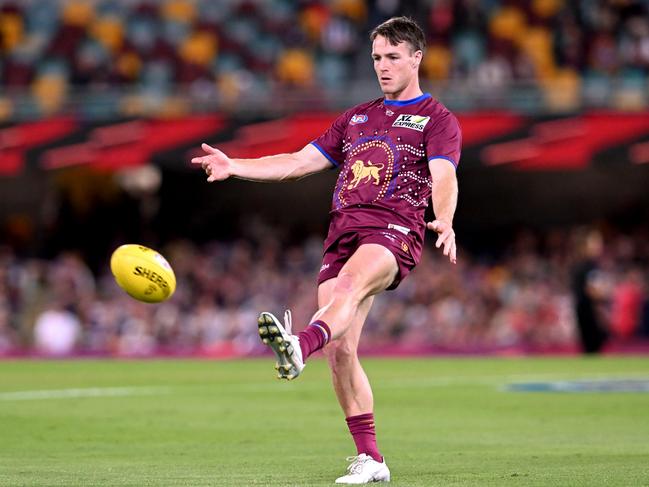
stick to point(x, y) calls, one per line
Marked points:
point(370, 270)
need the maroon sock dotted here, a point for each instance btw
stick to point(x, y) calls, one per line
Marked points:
point(314, 337)
point(362, 429)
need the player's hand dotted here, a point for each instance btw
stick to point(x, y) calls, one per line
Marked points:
point(446, 237)
point(215, 164)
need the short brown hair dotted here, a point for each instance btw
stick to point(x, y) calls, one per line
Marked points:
point(401, 29)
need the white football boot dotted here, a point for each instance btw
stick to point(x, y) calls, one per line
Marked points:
point(363, 470)
point(286, 346)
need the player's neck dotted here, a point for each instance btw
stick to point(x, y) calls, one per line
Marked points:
point(408, 93)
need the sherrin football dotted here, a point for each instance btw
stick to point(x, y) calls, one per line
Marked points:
point(143, 273)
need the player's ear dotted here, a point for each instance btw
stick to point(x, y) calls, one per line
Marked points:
point(417, 59)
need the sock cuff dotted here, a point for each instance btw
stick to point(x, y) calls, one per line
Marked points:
point(324, 329)
point(360, 417)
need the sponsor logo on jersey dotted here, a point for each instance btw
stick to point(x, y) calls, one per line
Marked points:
point(399, 228)
point(414, 122)
point(324, 267)
point(363, 173)
point(356, 119)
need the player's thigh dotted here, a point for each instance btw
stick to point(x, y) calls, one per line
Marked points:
point(370, 270)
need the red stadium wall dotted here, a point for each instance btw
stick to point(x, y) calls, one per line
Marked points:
point(489, 139)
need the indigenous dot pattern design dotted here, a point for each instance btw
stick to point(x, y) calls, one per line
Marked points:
point(417, 200)
point(417, 152)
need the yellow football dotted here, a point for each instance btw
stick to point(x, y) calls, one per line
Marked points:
point(143, 273)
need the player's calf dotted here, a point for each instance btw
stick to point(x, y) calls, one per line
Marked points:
point(341, 353)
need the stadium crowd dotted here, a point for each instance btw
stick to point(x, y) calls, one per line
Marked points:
point(135, 55)
point(519, 301)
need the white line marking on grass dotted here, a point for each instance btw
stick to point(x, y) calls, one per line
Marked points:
point(86, 392)
point(488, 380)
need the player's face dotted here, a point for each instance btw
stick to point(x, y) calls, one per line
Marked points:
point(396, 66)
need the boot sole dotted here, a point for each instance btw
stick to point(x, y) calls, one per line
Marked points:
point(272, 333)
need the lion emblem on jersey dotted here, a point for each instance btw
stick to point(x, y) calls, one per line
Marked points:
point(365, 173)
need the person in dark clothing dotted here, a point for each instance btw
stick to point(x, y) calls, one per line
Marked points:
point(589, 289)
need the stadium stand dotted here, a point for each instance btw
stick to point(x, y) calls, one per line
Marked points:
point(110, 58)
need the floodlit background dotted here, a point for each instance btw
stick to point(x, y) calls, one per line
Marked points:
point(103, 103)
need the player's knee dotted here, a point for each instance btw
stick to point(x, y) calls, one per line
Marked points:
point(346, 282)
point(346, 287)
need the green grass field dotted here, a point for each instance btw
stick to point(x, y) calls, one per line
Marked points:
point(441, 422)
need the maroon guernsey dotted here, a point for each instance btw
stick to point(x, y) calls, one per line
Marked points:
point(382, 149)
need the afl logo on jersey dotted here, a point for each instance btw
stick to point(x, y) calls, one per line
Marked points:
point(356, 119)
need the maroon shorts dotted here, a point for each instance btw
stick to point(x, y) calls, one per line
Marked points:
point(338, 251)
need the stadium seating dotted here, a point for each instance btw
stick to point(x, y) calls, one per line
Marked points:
point(517, 302)
point(57, 54)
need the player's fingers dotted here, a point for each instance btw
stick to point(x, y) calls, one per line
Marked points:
point(443, 237)
point(203, 161)
point(209, 149)
point(446, 246)
point(214, 177)
point(438, 226)
point(453, 253)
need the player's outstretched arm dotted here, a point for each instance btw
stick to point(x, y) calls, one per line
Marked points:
point(444, 196)
point(280, 167)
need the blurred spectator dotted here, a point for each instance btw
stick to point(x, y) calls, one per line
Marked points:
point(521, 300)
point(627, 303)
point(7, 335)
point(56, 331)
point(591, 287)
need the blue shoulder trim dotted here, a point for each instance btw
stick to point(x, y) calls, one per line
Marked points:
point(322, 151)
point(445, 158)
point(401, 103)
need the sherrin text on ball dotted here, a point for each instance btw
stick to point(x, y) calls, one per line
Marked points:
point(143, 273)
